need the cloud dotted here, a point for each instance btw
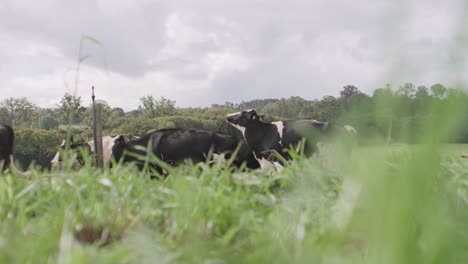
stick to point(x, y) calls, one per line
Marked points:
point(203, 52)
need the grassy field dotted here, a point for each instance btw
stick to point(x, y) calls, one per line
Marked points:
point(395, 204)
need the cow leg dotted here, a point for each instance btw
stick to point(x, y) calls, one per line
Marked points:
point(1, 165)
point(15, 170)
point(161, 172)
point(279, 167)
point(8, 161)
point(152, 168)
point(268, 162)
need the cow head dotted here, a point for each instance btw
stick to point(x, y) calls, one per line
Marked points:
point(55, 162)
point(118, 148)
point(244, 118)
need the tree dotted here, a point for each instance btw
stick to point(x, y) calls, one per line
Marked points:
point(272, 109)
point(253, 104)
point(279, 108)
point(403, 103)
point(346, 94)
point(148, 107)
point(407, 90)
point(360, 103)
point(295, 106)
point(229, 105)
point(106, 112)
point(70, 109)
point(348, 91)
point(133, 113)
point(152, 108)
point(328, 108)
point(422, 101)
point(384, 100)
point(438, 91)
point(165, 107)
point(118, 112)
point(4, 118)
point(17, 111)
point(422, 92)
point(48, 122)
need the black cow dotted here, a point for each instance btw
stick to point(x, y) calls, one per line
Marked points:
point(267, 138)
point(7, 138)
point(7, 141)
point(174, 145)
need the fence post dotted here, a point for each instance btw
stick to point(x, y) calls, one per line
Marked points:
point(99, 152)
point(97, 132)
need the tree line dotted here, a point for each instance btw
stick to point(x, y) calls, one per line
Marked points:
point(389, 114)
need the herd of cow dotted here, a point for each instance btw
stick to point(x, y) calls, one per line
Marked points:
point(263, 144)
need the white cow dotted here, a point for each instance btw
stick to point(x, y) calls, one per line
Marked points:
point(107, 144)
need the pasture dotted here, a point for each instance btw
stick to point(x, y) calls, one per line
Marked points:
point(385, 204)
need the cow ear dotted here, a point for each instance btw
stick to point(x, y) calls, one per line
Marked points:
point(261, 118)
point(120, 140)
point(253, 115)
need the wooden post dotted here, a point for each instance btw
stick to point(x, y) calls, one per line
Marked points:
point(97, 133)
point(99, 152)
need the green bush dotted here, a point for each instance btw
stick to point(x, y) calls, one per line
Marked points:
point(48, 122)
point(36, 145)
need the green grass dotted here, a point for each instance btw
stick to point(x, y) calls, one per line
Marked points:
point(412, 207)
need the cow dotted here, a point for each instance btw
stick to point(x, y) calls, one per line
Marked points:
point(7, 141)
point(107, 144)
point(76, 147)
point(7, 138)
point(266, 139)
point(175, 145)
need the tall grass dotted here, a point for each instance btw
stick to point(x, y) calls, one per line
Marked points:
point(383, 204)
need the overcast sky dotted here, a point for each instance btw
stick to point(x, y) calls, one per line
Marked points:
point(200, 52)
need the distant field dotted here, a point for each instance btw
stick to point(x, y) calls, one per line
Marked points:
point(397, 204)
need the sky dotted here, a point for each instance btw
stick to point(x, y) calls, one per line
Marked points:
point(200, 52)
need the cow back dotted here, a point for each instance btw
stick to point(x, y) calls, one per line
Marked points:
point(181, 144)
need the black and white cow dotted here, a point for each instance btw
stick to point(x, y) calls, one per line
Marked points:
point(267, 138)
point(7, 141)
point(7, 138)
point(174, 145)
point(107, 144)
point(77, 148)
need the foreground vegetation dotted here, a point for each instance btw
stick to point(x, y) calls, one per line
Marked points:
point(382, 205)
point(386, 203)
